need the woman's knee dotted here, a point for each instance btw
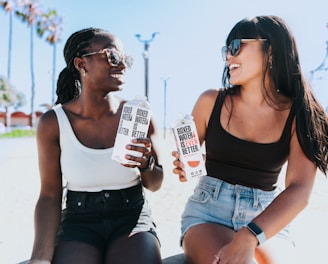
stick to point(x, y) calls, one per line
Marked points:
point(203, 241)
point(76, 252)
point(141, 247)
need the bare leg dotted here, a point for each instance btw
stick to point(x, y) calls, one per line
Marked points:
point(203, 241)
point(76, 252)
point(140, 248)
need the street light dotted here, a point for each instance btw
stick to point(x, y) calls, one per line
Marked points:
point(146, 57)
point(165, 85)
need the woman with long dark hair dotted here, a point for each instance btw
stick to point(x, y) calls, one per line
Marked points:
point(265, 116)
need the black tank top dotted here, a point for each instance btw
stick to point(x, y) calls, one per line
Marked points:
point(238, 161)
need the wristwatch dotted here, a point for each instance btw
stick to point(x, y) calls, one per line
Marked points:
point(256, 231)
point(150, 165)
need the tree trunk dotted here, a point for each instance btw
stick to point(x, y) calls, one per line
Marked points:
point(32, 115)
point(9, 44)
point(7, 117)
point(53, 73)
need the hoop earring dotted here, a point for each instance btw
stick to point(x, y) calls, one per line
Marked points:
point(77, 88)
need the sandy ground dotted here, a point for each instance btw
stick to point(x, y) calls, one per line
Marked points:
point(20, 187)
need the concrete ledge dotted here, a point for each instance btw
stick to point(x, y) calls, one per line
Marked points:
point(175, 259)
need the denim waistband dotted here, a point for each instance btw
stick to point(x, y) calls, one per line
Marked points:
point(116, 196)
point(215, 184)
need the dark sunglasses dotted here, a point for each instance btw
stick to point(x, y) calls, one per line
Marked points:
point(114, 58)
point(234, 47)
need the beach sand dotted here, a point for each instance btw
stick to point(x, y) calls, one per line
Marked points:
point(19, 190)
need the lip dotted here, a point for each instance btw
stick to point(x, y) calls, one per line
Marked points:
point(118, 76)
point(233, 66)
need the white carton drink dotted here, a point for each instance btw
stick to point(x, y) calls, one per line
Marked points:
point(134, 123)
point(187, 142)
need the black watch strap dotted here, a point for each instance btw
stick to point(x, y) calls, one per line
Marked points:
point(256, 231)
point(150, 165)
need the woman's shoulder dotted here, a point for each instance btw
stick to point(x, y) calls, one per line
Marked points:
point(48, 121)
point(210, 92)
point(48, 116)
point(209, 96)
point(206, 102)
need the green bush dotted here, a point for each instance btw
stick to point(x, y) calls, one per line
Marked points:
point(17, 133)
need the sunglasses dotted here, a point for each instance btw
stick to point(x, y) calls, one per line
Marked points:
point(234, 47)
point(114, 58)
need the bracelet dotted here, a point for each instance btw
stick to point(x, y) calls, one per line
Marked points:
point(257, 232)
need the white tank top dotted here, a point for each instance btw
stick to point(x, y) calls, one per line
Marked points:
point(87, 169)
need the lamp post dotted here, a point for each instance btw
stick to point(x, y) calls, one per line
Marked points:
point(165, 85)
point(146, 57)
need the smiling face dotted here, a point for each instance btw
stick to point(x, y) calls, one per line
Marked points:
point(103, 64)
point(247, 66)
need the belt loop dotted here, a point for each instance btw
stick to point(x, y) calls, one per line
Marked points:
point(255, 197)
point(217, 189)
point(125, 198)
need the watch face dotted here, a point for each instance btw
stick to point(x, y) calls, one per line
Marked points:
point(258, 232)
point(255, 228)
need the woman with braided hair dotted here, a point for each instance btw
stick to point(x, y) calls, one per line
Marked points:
point(106, 219)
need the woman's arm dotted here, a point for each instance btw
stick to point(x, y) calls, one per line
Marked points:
point(152, 179)
point(48, 207)
point(201, 113)
point(300, 175)
point(150, 169)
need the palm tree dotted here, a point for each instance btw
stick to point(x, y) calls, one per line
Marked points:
point(51, 25)
point(8, 6)
point(30, 12)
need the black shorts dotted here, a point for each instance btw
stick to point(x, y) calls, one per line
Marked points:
point(97, 218)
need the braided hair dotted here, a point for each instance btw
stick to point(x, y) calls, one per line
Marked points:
point(75, 46)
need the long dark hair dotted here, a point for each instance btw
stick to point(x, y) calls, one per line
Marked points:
point(286, 75)
point(76, 45)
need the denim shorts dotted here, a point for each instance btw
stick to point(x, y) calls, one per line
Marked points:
point(97, 218)
point(234, 206)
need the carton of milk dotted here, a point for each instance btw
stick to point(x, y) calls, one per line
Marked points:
point(188, 146)
point(134, 123)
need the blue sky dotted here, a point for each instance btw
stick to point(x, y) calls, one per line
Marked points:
point(187, 50)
